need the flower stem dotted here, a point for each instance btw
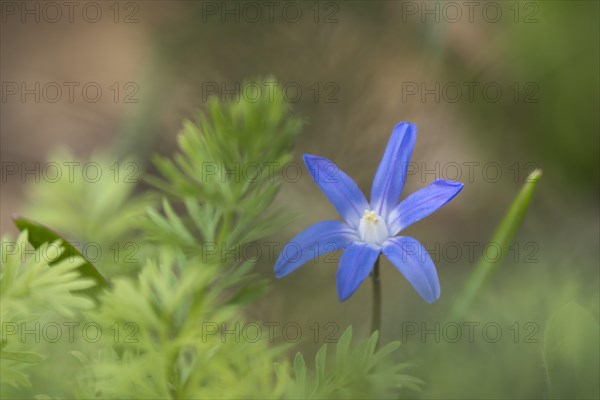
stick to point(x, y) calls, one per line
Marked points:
point(376, 311)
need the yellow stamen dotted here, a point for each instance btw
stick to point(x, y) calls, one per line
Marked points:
point(371, 216)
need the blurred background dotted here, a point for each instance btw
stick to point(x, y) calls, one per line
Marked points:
point(496, 89)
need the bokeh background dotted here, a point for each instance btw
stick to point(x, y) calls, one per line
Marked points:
point(534, 70)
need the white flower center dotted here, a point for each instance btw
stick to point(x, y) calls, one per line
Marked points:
point(372, 228)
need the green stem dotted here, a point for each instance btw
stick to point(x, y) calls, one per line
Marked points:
point(376, 312)
point(502, 238)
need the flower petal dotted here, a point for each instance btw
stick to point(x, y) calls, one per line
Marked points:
point(355, 265)
point(339, 188)
point(422, 203)
point(391, 173)
point(413, 261)
point(322, 237)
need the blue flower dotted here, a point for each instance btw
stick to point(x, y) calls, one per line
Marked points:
point(371, 228)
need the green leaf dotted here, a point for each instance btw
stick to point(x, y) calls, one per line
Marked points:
point(369, 349)
point(177, 223)
point(280, 372)
point(39, 234)
point(343, 346)
point(300, 370)
point(502, 237)
point(383, 353)
point(571, 353)
point(320, 359)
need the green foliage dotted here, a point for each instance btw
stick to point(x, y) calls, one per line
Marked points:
point(33, 291)
point(221, 152)
point(360, 371)
point(174, 351)
point(38, 235)
point(26, 275)
point(92, 203)
point(226, 174)
point(224, 179)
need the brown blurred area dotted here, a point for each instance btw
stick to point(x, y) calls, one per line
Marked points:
point(366, 58)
